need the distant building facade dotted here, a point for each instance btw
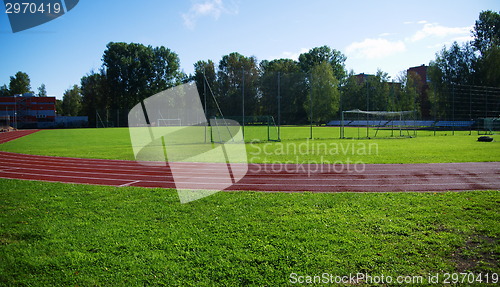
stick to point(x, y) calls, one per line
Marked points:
point(362, 78)
point(421, 79)
point(28, 111)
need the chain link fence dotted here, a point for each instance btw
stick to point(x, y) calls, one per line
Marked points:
point(300, 106)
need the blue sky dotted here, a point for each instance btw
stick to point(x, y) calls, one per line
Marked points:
point(389, 35)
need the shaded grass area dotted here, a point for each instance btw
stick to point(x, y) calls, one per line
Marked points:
point(63, 234)
point(114, 143)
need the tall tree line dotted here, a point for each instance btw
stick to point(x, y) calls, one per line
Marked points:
point(474, 64)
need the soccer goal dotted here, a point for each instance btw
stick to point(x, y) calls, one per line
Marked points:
point(253, 128)
point(488, 126)
point(169, 122)
point(378, 124)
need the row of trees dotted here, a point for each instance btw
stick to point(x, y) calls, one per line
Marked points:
point(316, 87)
point(267, 86)
point(474, 63)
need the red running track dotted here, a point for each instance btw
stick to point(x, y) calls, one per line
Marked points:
point(260, 177)
point(8, 136)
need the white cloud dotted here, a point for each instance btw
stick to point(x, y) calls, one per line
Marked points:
point(375, 48)
point(293, 55)
point(436, 30)
point(211, 8)
point(463, 39)
point(459, 40)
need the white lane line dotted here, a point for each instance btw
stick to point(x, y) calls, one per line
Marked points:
point(270, 178)
point(389, 186)
point(203, 167)
point(130, 183)
point(251, 171)
point(6, 173)
point(133, 164)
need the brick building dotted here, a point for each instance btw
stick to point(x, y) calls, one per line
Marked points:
point(28, 111)
point(421, 78)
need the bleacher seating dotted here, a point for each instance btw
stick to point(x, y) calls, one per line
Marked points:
point(402, 123)
point(454, 123)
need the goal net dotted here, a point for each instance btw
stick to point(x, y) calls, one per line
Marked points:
point(169, 122)
point(381, 124)
point(488, 126)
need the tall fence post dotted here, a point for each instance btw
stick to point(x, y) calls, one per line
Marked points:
point(470, 109)
point(367, 108)
point(205, 103)
point(311, 107)
point(342, 125)
point(453, 109)
point(243, 104)
point(279, 105)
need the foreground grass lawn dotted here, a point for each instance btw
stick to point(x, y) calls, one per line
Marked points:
point(114, 143)
point(78, 235)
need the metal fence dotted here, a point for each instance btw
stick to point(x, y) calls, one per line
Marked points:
point(298, 99)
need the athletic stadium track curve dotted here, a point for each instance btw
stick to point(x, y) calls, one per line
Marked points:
point(434, 177)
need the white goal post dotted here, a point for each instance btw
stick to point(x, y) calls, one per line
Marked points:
point(375, 121)
point(169, 122)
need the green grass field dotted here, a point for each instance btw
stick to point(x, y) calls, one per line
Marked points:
point(78, 235)
point(82, 235)
point(115, 144)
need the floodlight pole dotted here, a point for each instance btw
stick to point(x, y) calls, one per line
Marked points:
point(15, 112)
point(367, 108)
point(342, 126)
point(205, 102)
point(453, 108)
point(311, 106)
point(243, 104)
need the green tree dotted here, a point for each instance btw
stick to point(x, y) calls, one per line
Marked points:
point(206, 80)
point(135, 72)
point(352, 92)
point(237, 78)
point(325, 94)
point(20, 84)
point(406, 97)
point(42, 91)
point(488, 73)
point(4, 91)
point(292, 91)
point(318, 55)
point(376, 89)
point(94, 91)
point(453, 66)
point(487, 41)
point(72, 101)
point(486, 31)
point(59, 107)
